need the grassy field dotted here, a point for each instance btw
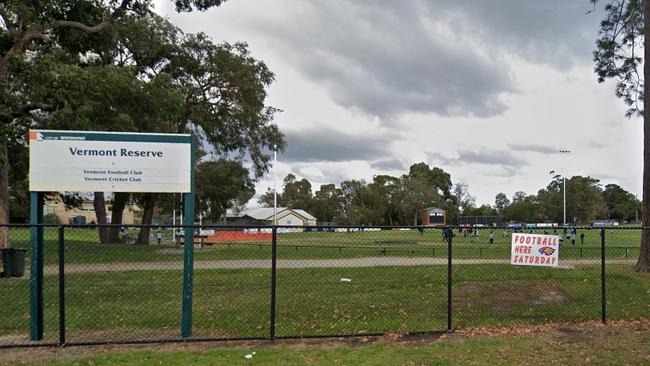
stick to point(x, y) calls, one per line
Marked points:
point(139, 305)
point(619, 344)
point(136, 304)
point(82, 246)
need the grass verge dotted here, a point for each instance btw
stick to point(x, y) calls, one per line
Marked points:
point(616, 344)
point(140, 305)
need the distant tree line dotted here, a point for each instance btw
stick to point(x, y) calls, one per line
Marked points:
point(389, 200)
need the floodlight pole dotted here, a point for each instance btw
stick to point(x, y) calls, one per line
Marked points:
point(174, 218)
point(275, 177)
point(564, 198)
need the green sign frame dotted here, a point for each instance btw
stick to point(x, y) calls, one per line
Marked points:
point(36, 221)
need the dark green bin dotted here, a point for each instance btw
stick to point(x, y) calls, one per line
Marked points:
point(13, 262)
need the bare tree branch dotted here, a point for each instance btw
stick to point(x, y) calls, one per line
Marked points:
point(98, 27)
point(8, 117)
point(27, 37)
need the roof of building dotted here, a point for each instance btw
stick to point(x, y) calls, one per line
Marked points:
point(304, 214)
point(266, 213)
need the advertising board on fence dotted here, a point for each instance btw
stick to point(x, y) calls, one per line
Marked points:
point(535, 250)
point(109, 161)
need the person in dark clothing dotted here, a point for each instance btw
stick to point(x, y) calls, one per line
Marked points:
point(582, 238)
point(448, 234)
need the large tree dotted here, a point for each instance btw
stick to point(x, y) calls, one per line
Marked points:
point(221, 185)
point(295, 194)
point(43, 35)
point(524, 208)
point(587, 202)
point(114, 65)
point(620, 51)
point(327, 206)
point(501, 201)
point(384, 190)
point(621, 204)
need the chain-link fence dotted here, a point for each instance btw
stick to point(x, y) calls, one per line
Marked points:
point(144, 284)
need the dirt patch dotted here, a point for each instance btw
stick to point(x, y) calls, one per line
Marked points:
point(562, 330)
point(503, 296)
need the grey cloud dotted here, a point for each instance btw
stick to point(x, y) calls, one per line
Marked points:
point(554, 32)
point(332, 172)
point(605, 176)
point(597, 145)
point(504, 159)
point(384, 59)
point(533, 148)
point(391, 164)
point(325, 144)
point(504, 172)
point(334, 178)
point(441, 159)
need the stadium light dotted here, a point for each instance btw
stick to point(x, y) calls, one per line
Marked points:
point(275, 191)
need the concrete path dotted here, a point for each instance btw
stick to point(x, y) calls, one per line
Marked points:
point(295, 263)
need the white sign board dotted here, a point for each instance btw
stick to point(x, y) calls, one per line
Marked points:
point(109, 162)
point(535, 250)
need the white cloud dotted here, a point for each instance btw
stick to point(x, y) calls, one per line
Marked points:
point(486, 89)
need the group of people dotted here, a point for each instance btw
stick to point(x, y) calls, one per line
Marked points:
point(448, 234)
point(571, 234)
point(473, 232)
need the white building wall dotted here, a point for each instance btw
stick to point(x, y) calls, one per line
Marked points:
point(291, 219)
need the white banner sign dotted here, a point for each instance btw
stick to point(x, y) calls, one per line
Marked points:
point(109, 162)
point(535, 250)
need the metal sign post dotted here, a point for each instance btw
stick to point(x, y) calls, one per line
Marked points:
point(188, 255)
point(36, 266)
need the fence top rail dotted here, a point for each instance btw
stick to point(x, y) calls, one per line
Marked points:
point(427, 246)
point(316, 227)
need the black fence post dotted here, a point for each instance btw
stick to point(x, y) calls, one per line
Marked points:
point(274, 258)
point(449, 307)
point(61, 287)
point(602, 276)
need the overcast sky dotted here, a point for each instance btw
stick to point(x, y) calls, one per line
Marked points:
point(487, 90)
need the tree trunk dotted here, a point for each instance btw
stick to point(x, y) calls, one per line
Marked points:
point(99, 204)
point(4, 196)
point(117, 213)
point(147, 218)
point(4, 164)
point(643, 264)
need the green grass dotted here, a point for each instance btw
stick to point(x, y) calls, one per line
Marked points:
point(625, 347)
point(82, 246)
point(146, 304)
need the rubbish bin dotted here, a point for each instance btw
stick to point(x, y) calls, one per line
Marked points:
point(13, 262)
